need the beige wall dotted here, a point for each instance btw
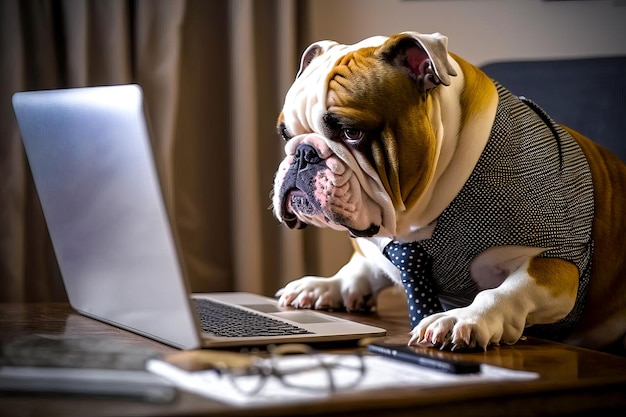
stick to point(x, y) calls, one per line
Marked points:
point(483, 30)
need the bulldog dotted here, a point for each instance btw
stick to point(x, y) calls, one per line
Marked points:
point(496, 220)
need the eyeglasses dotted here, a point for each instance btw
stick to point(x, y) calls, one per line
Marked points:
point(295, 366)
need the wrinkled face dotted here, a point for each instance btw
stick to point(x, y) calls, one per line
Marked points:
point(360, 147)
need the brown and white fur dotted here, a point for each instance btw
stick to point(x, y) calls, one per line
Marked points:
point(400, 124)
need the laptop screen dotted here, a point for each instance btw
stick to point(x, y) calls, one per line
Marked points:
point(90, 155)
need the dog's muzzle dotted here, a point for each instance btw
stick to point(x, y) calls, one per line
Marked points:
point(307, 195)
point(297, 191)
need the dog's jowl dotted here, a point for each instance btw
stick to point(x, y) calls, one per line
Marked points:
point(496, 220)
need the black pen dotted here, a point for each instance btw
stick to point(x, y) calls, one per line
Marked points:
point(413, 355)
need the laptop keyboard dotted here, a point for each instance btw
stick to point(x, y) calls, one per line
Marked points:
point(229, 321)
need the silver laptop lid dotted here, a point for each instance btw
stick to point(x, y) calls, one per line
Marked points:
point(90, 156)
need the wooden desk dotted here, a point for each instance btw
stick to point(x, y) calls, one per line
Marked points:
point(573, 381)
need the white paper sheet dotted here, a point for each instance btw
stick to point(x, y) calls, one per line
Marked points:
point(380, 373)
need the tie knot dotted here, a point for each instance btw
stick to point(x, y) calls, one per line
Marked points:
point(407, 257)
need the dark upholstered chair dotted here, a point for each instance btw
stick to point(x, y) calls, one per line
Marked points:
point(588, 95)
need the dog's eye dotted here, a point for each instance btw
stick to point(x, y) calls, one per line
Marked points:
point(352, 136)
point(282, 131)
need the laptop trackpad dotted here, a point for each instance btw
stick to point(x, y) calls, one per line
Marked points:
point(263, 308)
point(304, 316)
point(299, 316)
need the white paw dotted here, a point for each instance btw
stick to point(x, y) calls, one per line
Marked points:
point(327, 293)
point(463, 328)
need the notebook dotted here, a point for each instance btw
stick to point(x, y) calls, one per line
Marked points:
point(90, 155)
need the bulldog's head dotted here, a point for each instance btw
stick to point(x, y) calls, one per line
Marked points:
point(361, 148)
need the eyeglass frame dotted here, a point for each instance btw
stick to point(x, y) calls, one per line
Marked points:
point(267, 366)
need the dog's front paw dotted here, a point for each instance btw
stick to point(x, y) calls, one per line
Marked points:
point(326, 293)
point(311, 292)
point(463, 329)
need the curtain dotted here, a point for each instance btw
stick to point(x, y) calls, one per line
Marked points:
point(214, 74)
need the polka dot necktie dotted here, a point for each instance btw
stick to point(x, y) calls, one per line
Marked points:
point(415, 269)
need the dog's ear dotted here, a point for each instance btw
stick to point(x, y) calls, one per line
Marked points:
point(425, 57)
point(314, 50)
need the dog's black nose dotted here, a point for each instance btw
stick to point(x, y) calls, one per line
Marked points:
point(306, 155)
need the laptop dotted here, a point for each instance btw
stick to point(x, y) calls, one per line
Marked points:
point(90, 155)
